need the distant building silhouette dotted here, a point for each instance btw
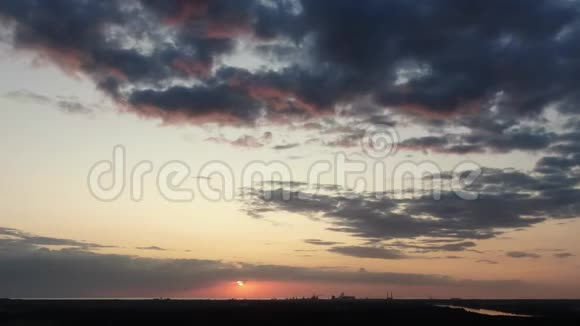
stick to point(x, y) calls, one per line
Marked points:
point(346, 297)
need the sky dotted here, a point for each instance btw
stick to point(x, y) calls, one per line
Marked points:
point(272, 149)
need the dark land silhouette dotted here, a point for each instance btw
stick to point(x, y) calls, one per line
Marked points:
point(293, 312)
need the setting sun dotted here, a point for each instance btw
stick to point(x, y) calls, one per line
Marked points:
point(241, 283)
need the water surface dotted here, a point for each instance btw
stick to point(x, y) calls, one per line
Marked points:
point(487, 312)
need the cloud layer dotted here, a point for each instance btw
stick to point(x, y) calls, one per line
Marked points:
point(172, 59)
point(29, 269)
point(507, 200)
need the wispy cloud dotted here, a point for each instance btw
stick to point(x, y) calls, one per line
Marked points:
point(319, 242)
point(70, 105)
point(155, 248)
point(522, 254)
point(368, 252)
point(245, 141)
point(563, 255)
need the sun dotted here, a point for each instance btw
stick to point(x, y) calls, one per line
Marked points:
point(241, 283)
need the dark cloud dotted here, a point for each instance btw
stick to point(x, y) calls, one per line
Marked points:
point(319, 242)
point(389, 218)
point(221, 103)
point(68, 106)
point(368, 252)
point(522, 254)
point(562, 162)
point(155, 248)
point(13, 238)
point(57, 25)
point(487, 261)
point(345, 141)
point(427, 142)
point(563, 255)
point(423, 248)
point(428, 59)
point(482, 141)
point(488, 131)
point(285, 146)
point(451, 257)
point(457, 52)
point(27, 270)
point(506, 200)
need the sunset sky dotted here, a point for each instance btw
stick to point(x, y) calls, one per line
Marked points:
point(489, 89)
